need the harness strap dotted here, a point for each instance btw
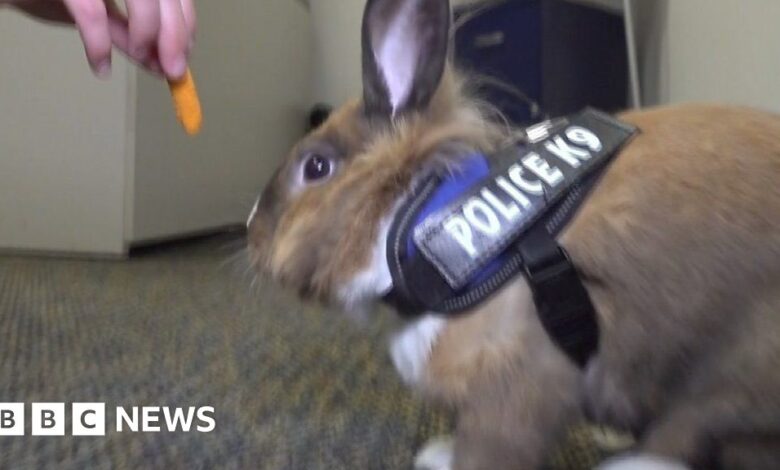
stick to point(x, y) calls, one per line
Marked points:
point(562, 303)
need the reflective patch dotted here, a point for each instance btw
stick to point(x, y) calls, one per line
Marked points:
point(462, 237)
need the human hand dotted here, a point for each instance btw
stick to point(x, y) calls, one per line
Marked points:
point(156, 34)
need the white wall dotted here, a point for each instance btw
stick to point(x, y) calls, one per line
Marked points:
point(705, 50)
point(724, 51)
point(253, 65)
point(62, 143)
point(336, 29)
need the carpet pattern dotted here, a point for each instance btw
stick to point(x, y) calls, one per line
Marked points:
point(293, 387)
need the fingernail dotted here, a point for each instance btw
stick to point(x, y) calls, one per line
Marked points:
point(179, 67)
point(103, 69)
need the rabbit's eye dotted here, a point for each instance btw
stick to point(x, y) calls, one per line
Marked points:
point(316, 167)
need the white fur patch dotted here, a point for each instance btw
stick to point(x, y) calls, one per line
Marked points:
point(411, 348)
point(372, 282)
point(436, 455)
point(397, 54)
point(641, 462)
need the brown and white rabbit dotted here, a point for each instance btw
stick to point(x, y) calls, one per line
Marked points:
point(678, 245)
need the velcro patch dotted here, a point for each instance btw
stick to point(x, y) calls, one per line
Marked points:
point(461, 237)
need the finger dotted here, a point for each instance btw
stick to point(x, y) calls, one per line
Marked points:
point(120, 36)
point(172, 43)
point(119, 30)
point(92, 22)
point(190, 20)
point(144, 21)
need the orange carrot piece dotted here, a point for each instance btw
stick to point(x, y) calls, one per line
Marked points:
point(187, 103)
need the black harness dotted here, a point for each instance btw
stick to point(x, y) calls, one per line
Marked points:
point(460, 237)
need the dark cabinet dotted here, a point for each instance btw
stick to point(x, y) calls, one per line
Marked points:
point(562, 56)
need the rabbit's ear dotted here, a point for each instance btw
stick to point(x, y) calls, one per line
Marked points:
point(404, 52)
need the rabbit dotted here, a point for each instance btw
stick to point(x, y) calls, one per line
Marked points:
point(678, 247)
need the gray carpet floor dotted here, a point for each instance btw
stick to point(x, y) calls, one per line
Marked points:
point(293, 386)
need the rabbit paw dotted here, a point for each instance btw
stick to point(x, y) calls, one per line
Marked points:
point(641, 462)
point(411, 348)
point(436, 455)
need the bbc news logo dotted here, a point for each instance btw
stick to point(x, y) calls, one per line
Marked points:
point(89, 419)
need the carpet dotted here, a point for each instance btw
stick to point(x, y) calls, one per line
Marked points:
point(293, 386)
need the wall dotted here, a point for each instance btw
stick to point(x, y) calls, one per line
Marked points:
point(724, 51)
point(253, 67)
point(336, 29)
point(62, 143)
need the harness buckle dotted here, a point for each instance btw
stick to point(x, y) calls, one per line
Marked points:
point(552, 264)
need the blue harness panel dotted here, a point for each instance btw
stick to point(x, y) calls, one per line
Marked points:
point(474, 170)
